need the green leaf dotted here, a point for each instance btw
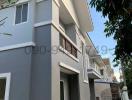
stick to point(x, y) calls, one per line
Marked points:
point(119, 25)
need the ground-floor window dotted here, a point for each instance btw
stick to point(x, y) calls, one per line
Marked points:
point(4, 86)
point(61, 90)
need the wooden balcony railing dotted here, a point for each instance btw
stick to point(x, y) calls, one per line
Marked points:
point(65, 44)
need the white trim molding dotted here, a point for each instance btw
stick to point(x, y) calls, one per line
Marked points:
point(20, 45)
point(21, 1)
point(7, 76)
point(68, 67)
point(42, 23)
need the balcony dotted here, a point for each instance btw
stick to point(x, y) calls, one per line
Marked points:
point(67, 45)
point(68, 38)
point(94, 72)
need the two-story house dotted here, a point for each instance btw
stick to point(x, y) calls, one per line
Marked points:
point(43, 54)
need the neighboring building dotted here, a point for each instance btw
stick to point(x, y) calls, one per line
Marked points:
point(103, 86)
point(109, 73)
point(46, 57)
point(96, 64)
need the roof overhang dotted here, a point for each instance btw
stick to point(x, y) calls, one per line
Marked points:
point(84, 16)
point(68, 69)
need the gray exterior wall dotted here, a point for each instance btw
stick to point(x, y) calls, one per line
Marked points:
point(36, 74)
point(43, 11)
point(41, 65)
point(18, 63)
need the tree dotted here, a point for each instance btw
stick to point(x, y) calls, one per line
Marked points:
point(6, 1)
point(119, 24)
point(128, 75)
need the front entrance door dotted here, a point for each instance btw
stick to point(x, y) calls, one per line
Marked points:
point(69, 87)
point(64, 88)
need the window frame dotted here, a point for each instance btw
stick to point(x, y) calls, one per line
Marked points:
point(7, 76)
point(21, 4)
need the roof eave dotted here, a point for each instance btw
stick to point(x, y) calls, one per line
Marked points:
point(84, 16)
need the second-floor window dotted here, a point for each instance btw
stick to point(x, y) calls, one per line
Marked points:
point(21, 13)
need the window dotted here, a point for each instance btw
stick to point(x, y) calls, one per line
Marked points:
point(21, 13)
point(4, 86)
point(61, 90)
point(68, 47)
point(74, 51)
point(102, 72)
point(62, 25)
point(62, 41)
point(69, 29)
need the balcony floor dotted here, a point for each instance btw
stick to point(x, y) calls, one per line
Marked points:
point(93, 74)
